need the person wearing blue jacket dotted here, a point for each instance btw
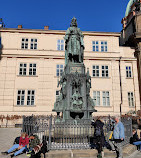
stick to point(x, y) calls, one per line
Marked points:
point(118, 137)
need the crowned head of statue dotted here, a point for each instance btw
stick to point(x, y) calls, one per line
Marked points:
point(73, 22)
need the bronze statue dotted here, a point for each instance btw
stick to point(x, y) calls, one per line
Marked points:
point(74, 45)
point(74, 100)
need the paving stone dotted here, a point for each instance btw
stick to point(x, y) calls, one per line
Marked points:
point(129, 149)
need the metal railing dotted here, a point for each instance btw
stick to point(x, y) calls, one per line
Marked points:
point(68, 135)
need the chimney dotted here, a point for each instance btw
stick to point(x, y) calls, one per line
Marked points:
point(46, 27)
point(19, 26)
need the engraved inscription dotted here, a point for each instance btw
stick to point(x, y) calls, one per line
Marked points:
point(74, 69)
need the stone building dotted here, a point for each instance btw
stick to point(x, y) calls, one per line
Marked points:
point(33, 60)
point(131, 33)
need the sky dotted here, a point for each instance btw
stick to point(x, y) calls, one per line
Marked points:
point(92, 15)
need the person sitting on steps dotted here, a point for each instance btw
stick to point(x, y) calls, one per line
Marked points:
point(23, 142)
point(135, 139)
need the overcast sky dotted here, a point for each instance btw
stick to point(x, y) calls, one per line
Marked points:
point(92, 15)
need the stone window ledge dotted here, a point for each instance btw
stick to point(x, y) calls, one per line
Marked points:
point(100, 106)
point(101, 77)
point(25, 106)
point(27, 76)
point(129, 77)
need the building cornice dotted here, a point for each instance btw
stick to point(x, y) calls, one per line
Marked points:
point(50, 50)
point(63, 57)
point(58, 32)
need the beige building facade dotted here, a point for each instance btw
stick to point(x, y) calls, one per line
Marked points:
point(131, 32)
point(33, 60)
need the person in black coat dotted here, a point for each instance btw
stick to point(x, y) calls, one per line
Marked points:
point(98, 136)
point(135, 139)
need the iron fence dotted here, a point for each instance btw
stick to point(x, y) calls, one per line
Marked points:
point(70, 135)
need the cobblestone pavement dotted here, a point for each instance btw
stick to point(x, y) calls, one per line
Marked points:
point(136, 154)
point(7, 136)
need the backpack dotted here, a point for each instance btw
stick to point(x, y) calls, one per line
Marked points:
point(98, 131)
point(16, 141)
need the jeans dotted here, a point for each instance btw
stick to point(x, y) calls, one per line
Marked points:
point(28, 149)
point(137, 143)
point(99, 144)
point(116, 146)
point(15, 146)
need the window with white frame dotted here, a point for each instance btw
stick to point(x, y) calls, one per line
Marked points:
point(20, 97)
point(96, 98)
point(128, 72)
point(95, 45)
point(24, 44)
point(59, 70)
point(30, 97)
point(60, 44)
point(106, 98)
point(33, 44)
point(32, 69)
point(95, 70)
point(103, 46)
point(105, 71)
point(130, 99)
point(22, 69)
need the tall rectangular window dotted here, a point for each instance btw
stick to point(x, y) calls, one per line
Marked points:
point(103, 46)
point(106, 98)
point(33, 44)
point(95, 71)
point(32, 69)
point(130, 99)
point(96, 98)
point(30, 97)
point(20, 97)
point(24, 44)
point(60, 44)
point(128, 72)
point(59, 70)
point(95, 45)
point(22, 69)
point(105, 71)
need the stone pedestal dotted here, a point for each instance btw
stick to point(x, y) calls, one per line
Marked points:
point(75, 102)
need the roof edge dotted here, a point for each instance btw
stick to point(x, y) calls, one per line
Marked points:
point(41, 31)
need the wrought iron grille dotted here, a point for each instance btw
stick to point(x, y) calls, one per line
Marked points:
point(68, 136)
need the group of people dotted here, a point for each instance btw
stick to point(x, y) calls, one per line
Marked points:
point(25, 142)
point(114, 139)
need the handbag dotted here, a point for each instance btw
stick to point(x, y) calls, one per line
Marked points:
point(110, 135)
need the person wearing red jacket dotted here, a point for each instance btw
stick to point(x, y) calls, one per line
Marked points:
point(24, 141)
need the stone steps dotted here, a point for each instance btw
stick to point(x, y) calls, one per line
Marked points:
point(90, 153)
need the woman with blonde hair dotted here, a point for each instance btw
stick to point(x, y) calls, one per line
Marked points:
point(24, 141)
